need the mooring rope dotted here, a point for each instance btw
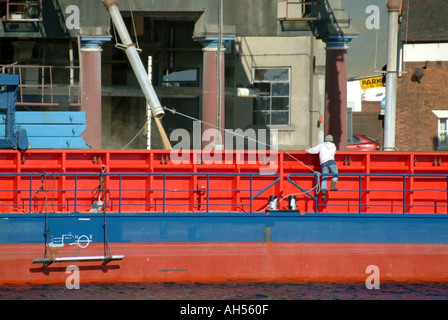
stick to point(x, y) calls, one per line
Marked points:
point(103, 194)
point(317, 173)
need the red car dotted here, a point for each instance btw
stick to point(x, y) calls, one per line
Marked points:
point(361, 142)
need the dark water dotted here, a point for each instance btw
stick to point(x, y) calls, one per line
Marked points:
point(229, 291)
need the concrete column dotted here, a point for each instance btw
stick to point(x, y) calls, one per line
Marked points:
point(210, 91)
point(336, 89)
point(211, 100)
point(106, 103)
point(91, 87)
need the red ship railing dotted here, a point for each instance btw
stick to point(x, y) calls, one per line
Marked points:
point(130, 192)
point(219, 192)
point(150, 181)
point(382, 193)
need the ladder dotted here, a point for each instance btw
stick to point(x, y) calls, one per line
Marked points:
point(105, 259)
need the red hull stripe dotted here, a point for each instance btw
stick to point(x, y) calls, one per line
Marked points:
point(230, 261)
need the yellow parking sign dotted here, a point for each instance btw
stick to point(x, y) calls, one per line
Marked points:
point(369, 83)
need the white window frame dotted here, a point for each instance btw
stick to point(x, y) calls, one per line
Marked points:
point(442, 130)
point(270, 111)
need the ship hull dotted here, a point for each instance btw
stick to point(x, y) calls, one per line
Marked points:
point(280, 246)
point(143, 216)
point(218, 262)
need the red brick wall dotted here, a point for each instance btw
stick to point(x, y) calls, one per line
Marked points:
point(416, 125)
point(368, 121)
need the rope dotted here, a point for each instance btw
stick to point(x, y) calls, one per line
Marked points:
point(104, 192)
point(97, 191)
point(106, 241)
point(133, 24)
point(42, 179)
point(47, 235)
point(317, 173)
point(45, 189)
point(135, 137)
point(115, 34)
point(240, 135)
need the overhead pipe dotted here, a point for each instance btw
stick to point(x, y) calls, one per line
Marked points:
point(134, 59)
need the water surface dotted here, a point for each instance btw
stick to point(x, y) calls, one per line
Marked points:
point(229, 291)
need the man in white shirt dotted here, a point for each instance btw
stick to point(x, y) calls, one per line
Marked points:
point(326, 151)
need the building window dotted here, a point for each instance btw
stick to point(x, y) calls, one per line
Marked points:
point(180, 78)
point(442, 128)
point(272, 107)
point(442, 133)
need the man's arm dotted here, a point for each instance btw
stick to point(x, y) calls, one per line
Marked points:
point(313, 150)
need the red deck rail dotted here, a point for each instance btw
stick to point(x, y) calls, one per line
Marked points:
point(150, 181)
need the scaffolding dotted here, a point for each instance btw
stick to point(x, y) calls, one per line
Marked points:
point(25, 10)
point(46, 85)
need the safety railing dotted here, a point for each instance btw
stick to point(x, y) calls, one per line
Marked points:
point(387, 193)
point(134, 192)
point(46, 85)
point(22, 11)
point(179, 192)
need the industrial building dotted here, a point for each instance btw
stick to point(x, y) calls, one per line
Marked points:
point(288, 56)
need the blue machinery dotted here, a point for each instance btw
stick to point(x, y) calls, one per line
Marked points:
point(36, 129)
point(8, 97)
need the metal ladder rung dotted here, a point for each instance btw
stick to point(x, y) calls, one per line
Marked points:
point(104, 259)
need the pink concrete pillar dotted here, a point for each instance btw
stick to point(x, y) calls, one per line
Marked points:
point(336, 90)
point(210, 98)
point(91, 87)
point(213, 103)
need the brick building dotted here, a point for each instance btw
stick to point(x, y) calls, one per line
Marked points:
point(422, 94)
point(421, 106)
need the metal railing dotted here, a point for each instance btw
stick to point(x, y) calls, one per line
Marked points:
point(182, 192)
point(114, 192)
point(46, 85)
point(374, 195)
point(20, 10)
